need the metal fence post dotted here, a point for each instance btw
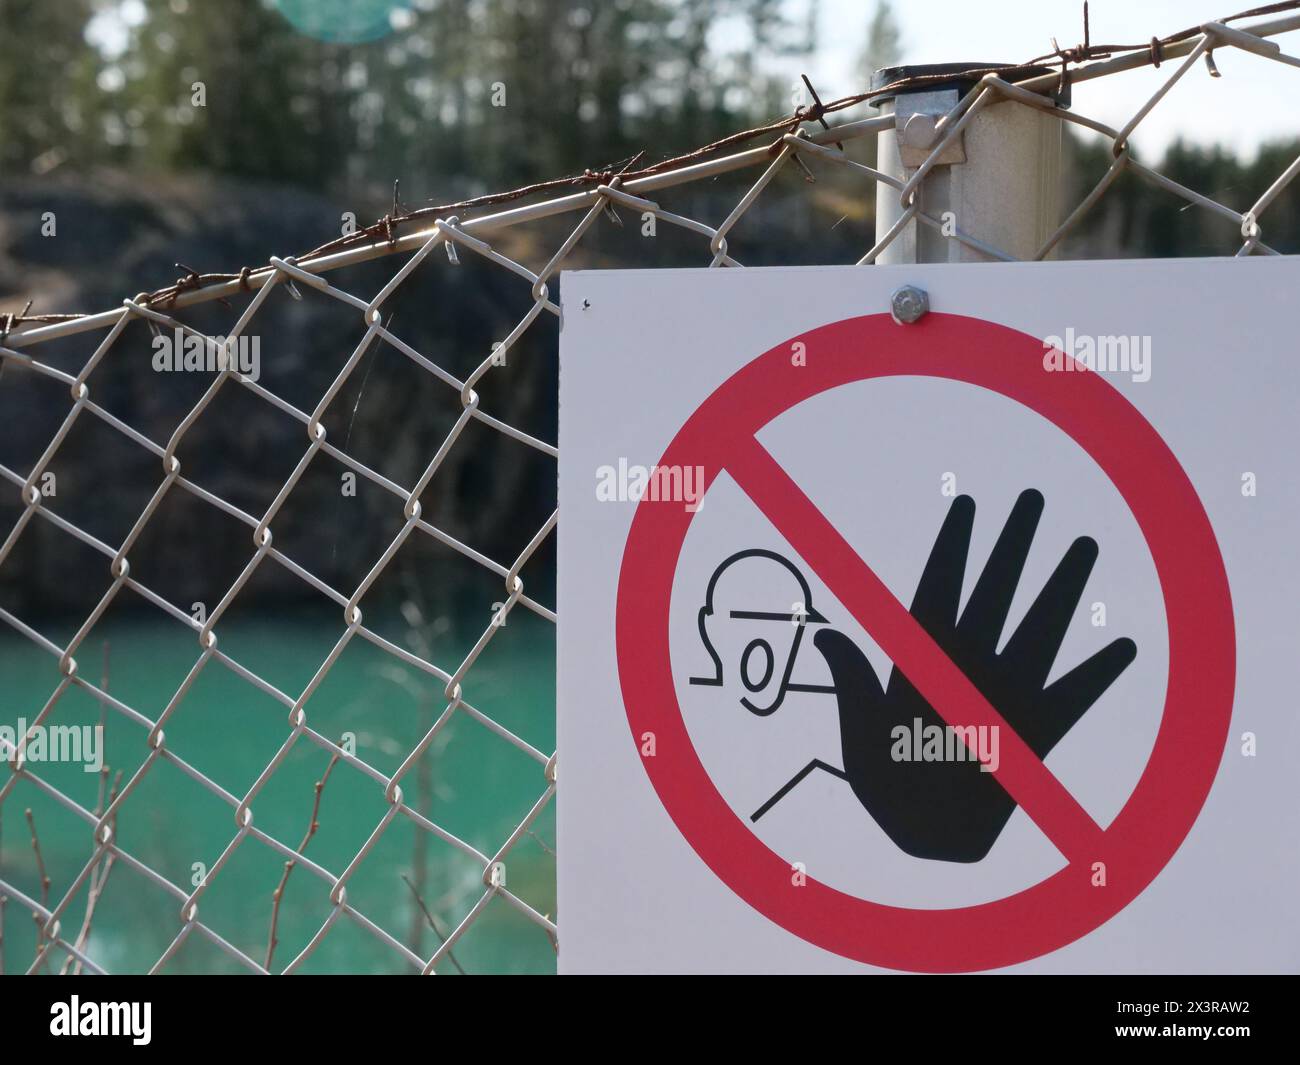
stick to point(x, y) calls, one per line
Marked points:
point(1001, 181)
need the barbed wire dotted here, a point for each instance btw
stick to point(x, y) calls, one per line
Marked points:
point(53, 903)
point(386, 226)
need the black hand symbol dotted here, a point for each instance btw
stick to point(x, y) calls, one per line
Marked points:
point(950, 810)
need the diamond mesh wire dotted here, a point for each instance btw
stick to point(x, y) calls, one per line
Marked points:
point(62, 936)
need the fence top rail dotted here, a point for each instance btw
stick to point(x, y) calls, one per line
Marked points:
point(1090, 62)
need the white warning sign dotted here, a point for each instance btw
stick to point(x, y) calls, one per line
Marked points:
point(946, 646)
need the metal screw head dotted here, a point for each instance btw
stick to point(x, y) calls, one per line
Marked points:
point(908, 304)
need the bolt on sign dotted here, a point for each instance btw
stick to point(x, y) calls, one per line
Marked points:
point(929, 618)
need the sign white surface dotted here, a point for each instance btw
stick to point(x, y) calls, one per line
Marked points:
point(746, 781)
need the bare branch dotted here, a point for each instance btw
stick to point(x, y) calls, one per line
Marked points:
point(98, 875)
point(45, 882)
point(541, 843)
point(278, 895)
point(432, 923)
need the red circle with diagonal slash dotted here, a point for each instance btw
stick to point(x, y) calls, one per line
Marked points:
point(721, 435)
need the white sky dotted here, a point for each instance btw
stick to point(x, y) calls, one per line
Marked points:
point(1255, 100)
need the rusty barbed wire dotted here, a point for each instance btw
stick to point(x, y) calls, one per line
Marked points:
point(385, 227)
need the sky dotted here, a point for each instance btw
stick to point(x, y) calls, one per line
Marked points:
point(1255, 100)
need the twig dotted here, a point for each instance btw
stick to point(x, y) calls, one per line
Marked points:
point(420, 842)
point(98, 875)
point(555, 943)
point(103, 724)
point(3, 898)
point(92, 900)
point(45, 882)
point(415, 618)
point(432, 923)
point(278, 896)
point(96, 884)
point(541, 843)
point(40, 861)
point(105, 869)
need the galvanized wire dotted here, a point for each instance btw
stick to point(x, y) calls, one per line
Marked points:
point(815, 148)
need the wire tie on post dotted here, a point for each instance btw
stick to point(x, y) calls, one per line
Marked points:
point(453, 256)
point(288, 284)
point(808, 175)
point(612, 179)
point(144, 299)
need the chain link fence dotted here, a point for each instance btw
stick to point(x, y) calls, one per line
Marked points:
point(65, 929)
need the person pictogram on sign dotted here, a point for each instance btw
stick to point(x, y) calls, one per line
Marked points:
point(954, 809)
point(771, 637)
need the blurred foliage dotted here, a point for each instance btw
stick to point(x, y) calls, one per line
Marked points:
point(1138, 219)
point(584, 83)
point(340, 97)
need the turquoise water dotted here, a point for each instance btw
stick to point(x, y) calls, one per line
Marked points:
point(471, 782)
